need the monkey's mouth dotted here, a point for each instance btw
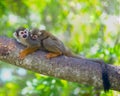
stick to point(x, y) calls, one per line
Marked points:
point(24, 36)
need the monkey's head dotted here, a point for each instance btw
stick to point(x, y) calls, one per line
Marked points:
point(21, 34)
point(39, 34)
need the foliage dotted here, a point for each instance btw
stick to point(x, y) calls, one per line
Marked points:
point(88, 27)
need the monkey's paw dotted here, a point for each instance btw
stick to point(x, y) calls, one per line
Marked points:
point(48, 56)
point(22, 55)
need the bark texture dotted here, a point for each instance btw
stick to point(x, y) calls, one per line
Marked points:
point(72, 69)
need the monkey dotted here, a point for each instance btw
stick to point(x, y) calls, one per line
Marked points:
point(41, 39)
point(22, 35)
point(52, 44)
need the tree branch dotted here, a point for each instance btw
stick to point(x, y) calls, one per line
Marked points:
point(68, 68)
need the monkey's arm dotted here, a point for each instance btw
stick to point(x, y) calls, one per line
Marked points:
point(27, 51)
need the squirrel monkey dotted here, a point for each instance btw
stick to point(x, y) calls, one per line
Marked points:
point(22, 35)
point(50, 43)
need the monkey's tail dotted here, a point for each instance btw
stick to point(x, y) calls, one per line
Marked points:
point(105, 77)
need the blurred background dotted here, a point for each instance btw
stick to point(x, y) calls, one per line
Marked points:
point(90, 28)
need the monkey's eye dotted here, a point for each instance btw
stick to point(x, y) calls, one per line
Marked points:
point(22, 32)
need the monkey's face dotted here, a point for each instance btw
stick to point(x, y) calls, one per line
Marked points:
point(21, 34)
point(38, 34)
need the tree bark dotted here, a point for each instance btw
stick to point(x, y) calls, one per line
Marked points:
point(72, 69)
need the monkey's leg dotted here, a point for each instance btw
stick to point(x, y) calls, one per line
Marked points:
point(27, 51)
point(52, 55)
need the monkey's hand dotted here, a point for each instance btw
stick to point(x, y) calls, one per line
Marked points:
point(27, 51)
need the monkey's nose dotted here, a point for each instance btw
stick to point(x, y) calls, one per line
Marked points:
point(24, 36)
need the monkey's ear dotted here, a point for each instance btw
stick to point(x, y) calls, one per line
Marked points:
point(15, 35)
point(30, 31)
